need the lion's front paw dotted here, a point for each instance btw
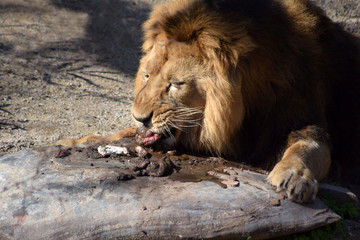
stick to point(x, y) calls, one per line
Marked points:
point(296, 181)
point(83, 142)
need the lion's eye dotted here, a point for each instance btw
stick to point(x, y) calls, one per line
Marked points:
point(177, 84)
point(146, 76)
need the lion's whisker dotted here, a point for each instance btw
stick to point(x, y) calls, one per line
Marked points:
point(187, 119)
point(186, 123)
point(188, 116)
point(182, 119)
point(163, 130)
point(167, 129)
point(189, 126)
point(175, 126)
point(188, 110)
point(190, 121)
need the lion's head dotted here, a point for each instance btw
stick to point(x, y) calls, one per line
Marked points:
point(184, 89)
point(204, 70)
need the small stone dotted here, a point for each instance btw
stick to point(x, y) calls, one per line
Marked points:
point(230, 183)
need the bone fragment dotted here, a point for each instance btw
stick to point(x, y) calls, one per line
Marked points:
point(108, 149)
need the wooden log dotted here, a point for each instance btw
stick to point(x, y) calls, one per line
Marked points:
point(77, 195)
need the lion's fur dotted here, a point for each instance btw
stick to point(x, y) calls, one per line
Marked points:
point(264, 69)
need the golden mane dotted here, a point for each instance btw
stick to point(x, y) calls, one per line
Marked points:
point(254, 67)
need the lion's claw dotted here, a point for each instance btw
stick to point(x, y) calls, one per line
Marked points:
point(298, 184)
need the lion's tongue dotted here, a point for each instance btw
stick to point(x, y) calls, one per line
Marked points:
point(146, 136)
point(151, 139)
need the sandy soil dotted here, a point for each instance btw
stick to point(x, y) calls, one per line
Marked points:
point(67, 67)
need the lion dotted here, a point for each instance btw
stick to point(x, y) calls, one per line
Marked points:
point(272, 83)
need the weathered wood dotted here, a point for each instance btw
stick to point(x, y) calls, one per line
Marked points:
point(77, 197)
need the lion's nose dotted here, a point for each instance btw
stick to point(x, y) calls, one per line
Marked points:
point(144, 119)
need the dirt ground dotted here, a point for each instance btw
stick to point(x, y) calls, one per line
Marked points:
point(67, 67)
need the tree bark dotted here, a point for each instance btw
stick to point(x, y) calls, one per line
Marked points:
point(80, 197)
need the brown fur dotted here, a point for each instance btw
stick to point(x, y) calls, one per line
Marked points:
point(254, 80)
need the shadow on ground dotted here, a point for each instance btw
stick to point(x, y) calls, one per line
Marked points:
point(67, 68)
point(113, 31)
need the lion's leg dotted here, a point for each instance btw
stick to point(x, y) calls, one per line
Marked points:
point(124, 133)
point(305, 161)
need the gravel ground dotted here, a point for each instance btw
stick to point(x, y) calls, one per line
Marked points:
point(67, 67)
